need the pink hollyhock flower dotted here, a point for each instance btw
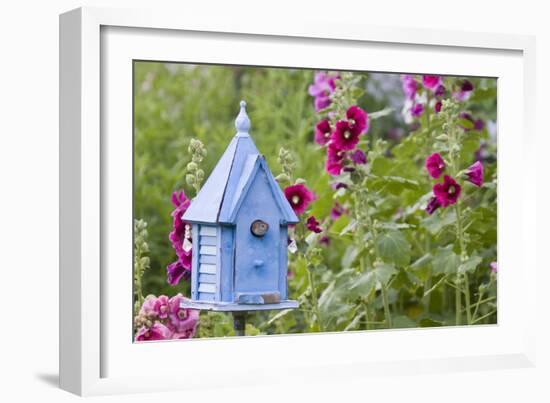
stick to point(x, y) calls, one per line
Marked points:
point(358, 157)
point(156, 332)
point(337, 211)
point(433, 205)
point(182, 321)
point(447, 193)
point(322, 132)
point(475, 173)
point(344, 136)
point(409, 86)
point(161, 307)
point(321, 89)
point(335, 158)
point(299, 197)
point(431, 82)
point(324, 240)
point(494, 267)
point(417, 110)
point(176, 271)
point(177, 238)
point(466, 88)
point(437, 106)
point(358, 119)
point(313, 225)
point(435, 165)
point(148, 306)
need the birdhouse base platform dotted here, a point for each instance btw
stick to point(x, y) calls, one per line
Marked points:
point(236, 307)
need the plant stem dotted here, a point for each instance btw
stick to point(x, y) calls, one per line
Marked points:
point(315, 298)
point(467, 299)
point(457, 306)
point(387, 312)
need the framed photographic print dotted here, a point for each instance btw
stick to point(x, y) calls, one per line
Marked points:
point(230, 195)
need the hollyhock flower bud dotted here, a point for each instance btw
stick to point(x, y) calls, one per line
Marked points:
point(358, 119)
point(447, 193)
point(431, 82)
point(344, 136)
point(313, 225)
point(409, 86)
point(433, 205)
point(474, 173)
point(358, 157)
point(435, 165)
point(494, 267)
point(157, 331)
point(439, 91)
point(161, 306)
point(437, 107)
point(322, 132)
point(336, 211)
point(299, 197)
point(334, 162)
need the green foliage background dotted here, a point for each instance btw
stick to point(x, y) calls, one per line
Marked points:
point(176, 102)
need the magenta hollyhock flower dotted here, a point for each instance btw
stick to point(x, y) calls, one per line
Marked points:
point(431, 82)
point(358, 119)
point(433, 205)
point(344, 136)
point(299, 197)
point(156, 332)
point(466, 88)
point(176, 271)
point(358, 157)
point(337, 211)
point(475, 173)
point(321, 103)
point(182, 321)
point(322, 132)
point(324, 240)
point(313, 225)
point(437, 106)
point(417, 110)
point(178, 236)
point(321, 89)
point(435, 165)
point(162, 307)
point(148, 306)
point(335, 158)
point(447, 193)
point(494, 267)
point(409, 86)
point(439, 91)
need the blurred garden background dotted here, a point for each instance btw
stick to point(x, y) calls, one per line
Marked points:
point(393, 255)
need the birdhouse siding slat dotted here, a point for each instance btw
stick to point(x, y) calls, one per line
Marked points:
point(207, 268)
point(207, 287)
point(206, 296)
point(283, 261)
point(208, 230)
point(208, 250)
point(208, 240)
point(208, 259)
point(207, 278)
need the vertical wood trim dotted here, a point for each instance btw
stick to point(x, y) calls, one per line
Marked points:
point(219, 263)
point(283, 261)
point(195, 262)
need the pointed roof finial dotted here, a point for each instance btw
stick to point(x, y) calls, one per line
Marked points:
point(242, 123)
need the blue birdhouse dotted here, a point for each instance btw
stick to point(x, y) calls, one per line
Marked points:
point(240, 222)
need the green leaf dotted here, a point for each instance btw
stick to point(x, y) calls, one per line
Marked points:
point(381, 114)
point(436, 222)
point(445, 261)
point(429, 322)
point(465, 123)
point(392, 246)
point(362, 286)
point(349, 257)
point(469, 265)
point(384, 272)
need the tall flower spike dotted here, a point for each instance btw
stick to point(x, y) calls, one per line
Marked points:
point(242, 123)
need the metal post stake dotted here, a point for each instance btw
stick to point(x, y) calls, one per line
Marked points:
point(239, 323)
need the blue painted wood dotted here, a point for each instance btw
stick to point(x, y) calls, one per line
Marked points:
point(227, 254)
point(208, 259)
point(207, 268)
point(195, 262)
point(207, 278)
point(206, 296)
point(208, 240)
point(283, 261)
point(235, 307)
point(219, 263)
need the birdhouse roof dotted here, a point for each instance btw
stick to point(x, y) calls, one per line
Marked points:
point(223, 192)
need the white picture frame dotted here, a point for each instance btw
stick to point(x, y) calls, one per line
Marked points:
point(96, 352)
